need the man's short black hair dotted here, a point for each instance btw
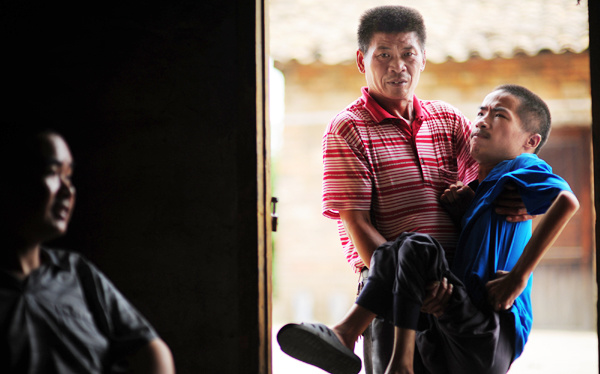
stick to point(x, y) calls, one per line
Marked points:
point(390, 19)
point(20, 148)
point(533, 111)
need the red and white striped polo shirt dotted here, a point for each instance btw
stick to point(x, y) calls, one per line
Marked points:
point(373, 162)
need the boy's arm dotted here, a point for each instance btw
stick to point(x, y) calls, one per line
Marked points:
point(503, 291)
point(510, 205)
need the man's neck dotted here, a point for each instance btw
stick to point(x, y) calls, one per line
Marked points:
point(398, 108)
point(20, 260)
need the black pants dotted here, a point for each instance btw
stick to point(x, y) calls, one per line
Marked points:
point(466, 339)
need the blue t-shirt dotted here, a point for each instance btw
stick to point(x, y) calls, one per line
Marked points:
point(489, 243)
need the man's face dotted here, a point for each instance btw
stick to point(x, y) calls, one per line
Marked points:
point(48, 196)
point(498, 133)
point(392, 66)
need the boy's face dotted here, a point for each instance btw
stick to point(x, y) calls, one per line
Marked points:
point(498, 134)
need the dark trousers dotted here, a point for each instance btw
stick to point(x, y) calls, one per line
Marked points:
point(466, 339)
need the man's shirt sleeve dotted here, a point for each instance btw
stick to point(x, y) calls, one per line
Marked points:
point(347, 174)
point(126, 329)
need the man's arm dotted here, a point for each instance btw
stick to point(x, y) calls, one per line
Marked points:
point(510, 205)
point(457, 198)
point(153, 358)
point(503, 291)
point(362, 233)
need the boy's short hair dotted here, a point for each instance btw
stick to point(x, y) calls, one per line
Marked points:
point(390, 19)
point(533, 111)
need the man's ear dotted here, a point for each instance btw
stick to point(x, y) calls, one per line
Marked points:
point(424, 60)
point(533, 141)
point(360, 61)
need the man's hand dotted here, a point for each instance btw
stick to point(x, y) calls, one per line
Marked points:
point(438, 294)
point(456, 199)
point(510, 204)
point(503, 290)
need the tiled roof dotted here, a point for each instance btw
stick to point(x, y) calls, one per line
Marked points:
point(325, 30)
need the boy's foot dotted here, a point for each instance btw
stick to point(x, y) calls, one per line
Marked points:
point(317, 344)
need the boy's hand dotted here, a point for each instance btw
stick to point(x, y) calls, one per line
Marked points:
point(503, 290)
point(456, 199)
point(510, 204)
point(438, 294)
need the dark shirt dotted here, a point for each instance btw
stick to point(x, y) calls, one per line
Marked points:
point(66, 317)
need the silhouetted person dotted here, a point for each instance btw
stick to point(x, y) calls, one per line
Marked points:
point(58, 312)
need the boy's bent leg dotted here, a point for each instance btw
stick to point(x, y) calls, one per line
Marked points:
point(395, 290)
point(399, 272)
point(467, 339)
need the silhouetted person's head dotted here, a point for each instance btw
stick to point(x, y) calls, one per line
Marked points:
point(36, 193)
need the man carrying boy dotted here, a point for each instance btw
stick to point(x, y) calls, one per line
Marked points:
point(389, 155)
point(487, 320)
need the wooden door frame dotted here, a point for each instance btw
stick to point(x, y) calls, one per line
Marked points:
point(263, 180)
point(594, 29)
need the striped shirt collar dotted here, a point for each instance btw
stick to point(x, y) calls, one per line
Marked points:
point(379, 114)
